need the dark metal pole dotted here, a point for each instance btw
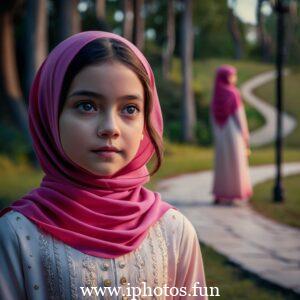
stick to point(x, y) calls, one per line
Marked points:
point(278, 188)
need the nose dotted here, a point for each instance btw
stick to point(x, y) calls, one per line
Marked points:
point(108, 126)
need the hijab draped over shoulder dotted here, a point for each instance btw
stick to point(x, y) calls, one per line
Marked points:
point(226, 97)
point(100, 216)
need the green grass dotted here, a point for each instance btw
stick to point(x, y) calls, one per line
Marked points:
point(254, 118)
point(236, 284)
point(287, 212)
point(290, 101)
point(16, 179)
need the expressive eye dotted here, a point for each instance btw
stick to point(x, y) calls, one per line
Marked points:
point(131, 109)
point(86, 107)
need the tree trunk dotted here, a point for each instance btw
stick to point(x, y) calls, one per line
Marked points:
point(187, 45)
point(139, 24)
point(69, 21)
point(292, 23)
point(36, 45)
point(263, 38)
point(101, 15)
point(235, 34)
point(11, 92)
point(170, 43)
point(128, 19)
point(100, 9)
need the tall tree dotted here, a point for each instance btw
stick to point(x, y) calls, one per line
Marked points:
point(101, 15)
point(264, 39)
point(128, 19)
point(187, 45)
point(139, 24)
point(170, 40)
point(292, 39)
point(36, 40)
point(234, 31)
point(10, 89)
point(68, 16)
point(100, 9)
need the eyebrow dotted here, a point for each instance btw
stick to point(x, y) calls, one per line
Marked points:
point(102, 97)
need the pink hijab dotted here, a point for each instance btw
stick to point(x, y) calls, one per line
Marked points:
point(226, 98)
point(100, 216)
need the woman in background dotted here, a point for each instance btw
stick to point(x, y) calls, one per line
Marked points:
point(231, 174)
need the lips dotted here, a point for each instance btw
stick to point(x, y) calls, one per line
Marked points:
point(106, 149)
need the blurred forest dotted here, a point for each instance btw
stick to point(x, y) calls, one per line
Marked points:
point(171, 33)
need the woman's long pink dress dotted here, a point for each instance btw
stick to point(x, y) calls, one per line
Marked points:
point(231, 171)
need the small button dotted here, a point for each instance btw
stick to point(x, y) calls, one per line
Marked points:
point(123, 280)
point(121, 265)
point(105, 267)
point(36, 287)
point(107, 282)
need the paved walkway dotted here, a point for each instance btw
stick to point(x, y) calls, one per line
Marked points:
point(259, 245)
point(265, 134)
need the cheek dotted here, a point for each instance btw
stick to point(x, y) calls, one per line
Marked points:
point(133, 134)
point(73, 133)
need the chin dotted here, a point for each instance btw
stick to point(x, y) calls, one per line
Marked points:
point(103, 172)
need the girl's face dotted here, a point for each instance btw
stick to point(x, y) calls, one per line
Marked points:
point(104, 108)
point(233, 79)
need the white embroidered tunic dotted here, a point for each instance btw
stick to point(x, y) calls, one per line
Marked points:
point(34, 265)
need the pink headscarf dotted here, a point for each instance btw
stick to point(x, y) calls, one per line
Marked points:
point(100, 216)
point(226, 98)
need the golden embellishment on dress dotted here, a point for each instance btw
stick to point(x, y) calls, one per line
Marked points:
point(121, 265)
point(107, 282)
point(123, 280)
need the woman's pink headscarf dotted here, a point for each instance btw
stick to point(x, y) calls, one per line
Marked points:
point(103, 217)
point(226, 97)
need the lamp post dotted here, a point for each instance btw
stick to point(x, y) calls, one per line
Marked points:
point(281, 7)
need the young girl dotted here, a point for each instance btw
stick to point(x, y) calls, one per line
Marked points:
point(96, 121)
point(231, 174)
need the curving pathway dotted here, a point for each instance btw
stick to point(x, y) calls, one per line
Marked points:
point(257, 244)
point(267, 133)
